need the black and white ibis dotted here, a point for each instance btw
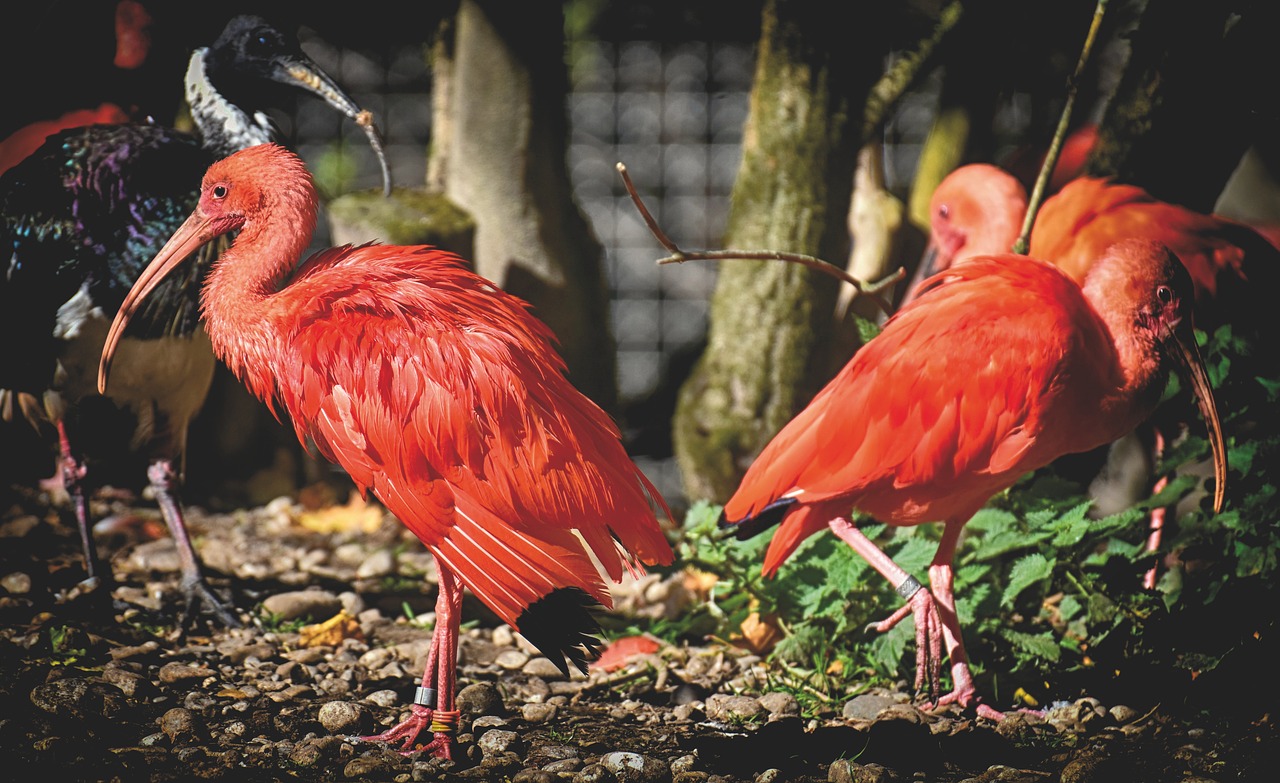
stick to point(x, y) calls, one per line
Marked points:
point(82, 216)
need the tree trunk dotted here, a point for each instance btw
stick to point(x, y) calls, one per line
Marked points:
point(770, 321)
point(504, 161)
point(1191, 95)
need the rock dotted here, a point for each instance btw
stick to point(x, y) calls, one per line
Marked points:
point(317, 605)
point(497, 741)
point(178, 673)
point(780, 704)
point(634, 768)
point(480, 698)
point(340, 717)
point(868, 706)
point(542, 667)
point(728, 707)
point(538, 713)
point(178, 724)
point(845, 771)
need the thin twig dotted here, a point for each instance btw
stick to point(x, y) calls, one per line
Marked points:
point(1055, 146)
point(679, 256)
point(906, 72)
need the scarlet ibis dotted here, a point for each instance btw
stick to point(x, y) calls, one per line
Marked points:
point(439, 393)
point(1002, 365)
point(81, 217)
point(979, 209)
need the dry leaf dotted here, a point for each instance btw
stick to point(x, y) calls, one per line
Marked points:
point(331, 632)
point(623, 649)
point(357, 515)
point(759, 632)
point(699, 583)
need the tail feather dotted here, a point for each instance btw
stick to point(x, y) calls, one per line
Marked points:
point(540, 585)
point(561, 625)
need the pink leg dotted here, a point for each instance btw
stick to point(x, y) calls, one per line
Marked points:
point(1156, 530)
point(164, 483)
point(72, 471)
point(433, 706)
point(929, 628)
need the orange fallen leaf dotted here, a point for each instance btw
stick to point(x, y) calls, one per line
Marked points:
point(624, 649)
point(357, 515)
point(759, 632)
point(331, 632)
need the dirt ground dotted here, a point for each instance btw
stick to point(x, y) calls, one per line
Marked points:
point(106, 687)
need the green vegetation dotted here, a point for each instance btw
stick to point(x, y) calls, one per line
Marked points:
point(1050, 599)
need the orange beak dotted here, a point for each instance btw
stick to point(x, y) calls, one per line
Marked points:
point(1189, 357)
point(195, 232)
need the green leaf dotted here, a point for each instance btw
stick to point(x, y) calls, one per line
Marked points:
point(1030, 570)
point(1041, 645)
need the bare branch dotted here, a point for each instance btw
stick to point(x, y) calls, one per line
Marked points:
point(1055, 146)
point(679, 256)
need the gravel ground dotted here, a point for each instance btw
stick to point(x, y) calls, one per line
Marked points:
point(101, 687)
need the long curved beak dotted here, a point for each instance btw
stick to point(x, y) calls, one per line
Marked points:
point(1188, 355)
point(196, 231)
point(301, 72)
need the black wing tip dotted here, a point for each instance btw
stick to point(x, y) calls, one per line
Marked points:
point(560, 624)
point(749, 527)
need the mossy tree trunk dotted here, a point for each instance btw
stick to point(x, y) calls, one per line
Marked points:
point(770, 321)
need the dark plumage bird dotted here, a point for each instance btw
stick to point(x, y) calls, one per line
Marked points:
point(83, 215)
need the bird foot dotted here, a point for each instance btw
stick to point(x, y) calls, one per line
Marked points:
point(406, 733)
point(196, 591)
point(921, 604)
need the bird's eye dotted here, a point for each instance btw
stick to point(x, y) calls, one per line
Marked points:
point(944, 211)
point(1165, 294)
point(219, 191)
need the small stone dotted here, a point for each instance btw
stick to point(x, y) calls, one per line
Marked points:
point(480, 698)
point(497, 741)
point(340, 717)
point(1123, 714)
point(780, 703)
point(634, 768)
point(542, 667)
point(512, 660)
point(178, 723)
point(593, 773)
point(17, 583)
point(377, 565)
point(538, 713)
point(384, 698)
point(314, 604)
point(728, 707)
point(868, 706)
point(175, 673)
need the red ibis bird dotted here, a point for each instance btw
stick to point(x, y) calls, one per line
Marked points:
point(436, 391)
point(81, 217)
point(1002, 365)
point(979, 209)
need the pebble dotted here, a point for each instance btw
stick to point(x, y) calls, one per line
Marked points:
point(538, 713)
point(480, 698)
point(340, 717)
point(317, 605)
point(178, 724)
point(634, 768)
point(542, 667)
point(729, 707)
point(17, 583)
point(497, 741)
point(868, 706)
